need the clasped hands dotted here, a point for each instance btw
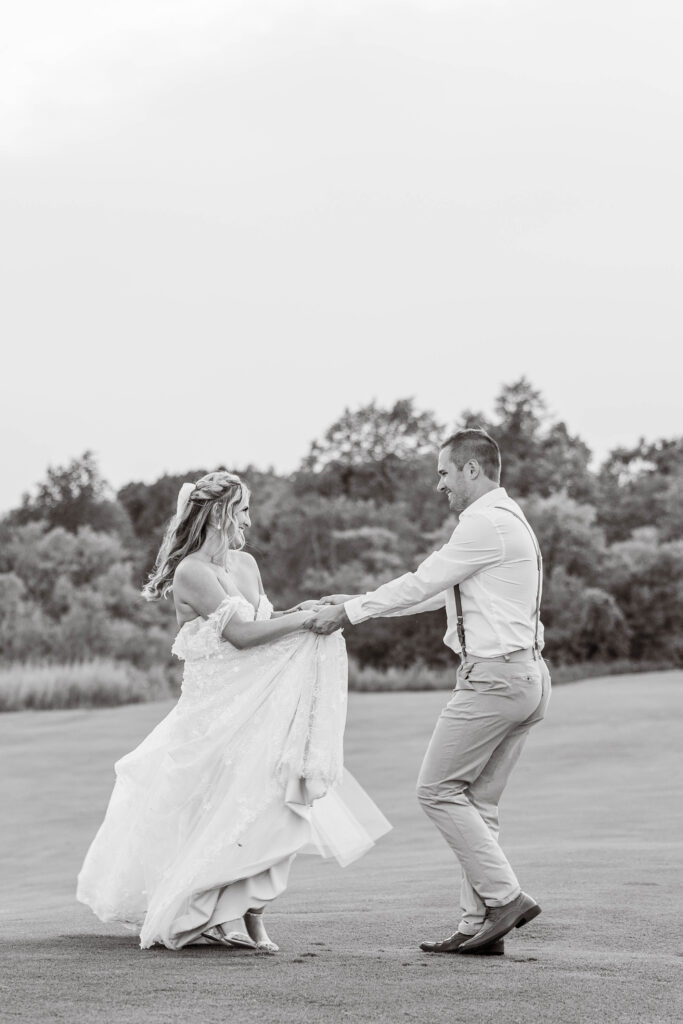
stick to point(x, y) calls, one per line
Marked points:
point(328, 614)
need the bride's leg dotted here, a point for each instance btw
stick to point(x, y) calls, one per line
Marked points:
point(257, 930)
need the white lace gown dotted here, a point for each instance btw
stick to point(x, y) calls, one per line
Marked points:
point(245, 772)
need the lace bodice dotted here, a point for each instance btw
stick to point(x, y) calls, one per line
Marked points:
point(202, 638)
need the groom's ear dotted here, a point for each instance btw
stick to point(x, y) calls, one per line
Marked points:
point(472, 469)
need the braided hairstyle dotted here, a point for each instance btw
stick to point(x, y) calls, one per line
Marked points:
point(214, 501)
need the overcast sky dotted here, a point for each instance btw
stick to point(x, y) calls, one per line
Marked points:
point(223, 222)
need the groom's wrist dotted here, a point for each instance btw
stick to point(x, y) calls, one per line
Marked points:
point(353, 610)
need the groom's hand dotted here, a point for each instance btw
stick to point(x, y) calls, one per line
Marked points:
point(327, 620)
point(336, 598)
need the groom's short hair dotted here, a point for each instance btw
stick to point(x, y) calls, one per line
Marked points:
point(475, 443)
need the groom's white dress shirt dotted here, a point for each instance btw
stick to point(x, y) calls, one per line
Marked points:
point(493, 558)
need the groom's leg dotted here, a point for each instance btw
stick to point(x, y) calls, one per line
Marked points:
point(484, 794)
point(472, 907)
point(472, 727)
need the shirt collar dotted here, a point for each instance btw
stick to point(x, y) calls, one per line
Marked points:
point(486, 500)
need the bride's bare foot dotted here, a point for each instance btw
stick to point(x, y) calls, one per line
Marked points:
point(257, 931)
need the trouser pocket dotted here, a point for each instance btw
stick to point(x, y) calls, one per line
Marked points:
point(501, 676)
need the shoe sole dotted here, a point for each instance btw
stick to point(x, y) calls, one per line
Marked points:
point(487, 950)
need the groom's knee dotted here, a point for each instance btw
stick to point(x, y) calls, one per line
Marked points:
point(424, 793)
point(432, 794)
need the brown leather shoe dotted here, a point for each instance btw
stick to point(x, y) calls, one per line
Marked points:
point(453, 944)
point(501, 920)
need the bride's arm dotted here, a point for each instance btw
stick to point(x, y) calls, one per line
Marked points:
point(196, 585)
point(304, 606)
point(252, 634)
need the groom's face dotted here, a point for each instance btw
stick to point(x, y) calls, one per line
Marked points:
point(452, 482)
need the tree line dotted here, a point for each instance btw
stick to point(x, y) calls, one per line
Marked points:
point(360, 509)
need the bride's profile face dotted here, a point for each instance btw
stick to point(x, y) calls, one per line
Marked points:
point(242, 518)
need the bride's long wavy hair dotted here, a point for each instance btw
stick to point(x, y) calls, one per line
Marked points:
point(214, 501)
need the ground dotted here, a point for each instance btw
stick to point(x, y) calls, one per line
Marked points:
point(592, 820)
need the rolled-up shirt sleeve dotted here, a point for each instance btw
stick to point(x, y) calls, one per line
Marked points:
point(474, 545)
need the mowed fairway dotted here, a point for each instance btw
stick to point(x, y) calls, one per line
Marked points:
point(592, 820)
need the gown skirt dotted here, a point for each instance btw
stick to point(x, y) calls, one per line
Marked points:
point(246, 771)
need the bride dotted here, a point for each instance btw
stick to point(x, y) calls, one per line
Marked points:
point(246, 771)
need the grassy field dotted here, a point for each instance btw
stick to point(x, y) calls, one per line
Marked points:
point(102, 682)
point(105, 682)
point(593, 822)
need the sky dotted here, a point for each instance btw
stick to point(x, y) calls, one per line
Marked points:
point(223, 222)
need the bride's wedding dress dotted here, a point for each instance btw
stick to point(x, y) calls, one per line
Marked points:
point(245, 772)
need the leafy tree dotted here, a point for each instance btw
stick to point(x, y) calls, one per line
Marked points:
point(24, 630)
point(313, 535)
point(370, 452)
point(670, 520)
point(539, 456)
point(581, 623)
point(371, 434)
point(568, 535)
point(71, 596)
point(642, 486)
point(363, 509)
point(645, 576)
point(402, 641)
point(361, 559)
point(72, 496)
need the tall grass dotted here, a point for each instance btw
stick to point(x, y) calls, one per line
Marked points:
point(421, 677)
point(598, 669)
point(88, 684)
point(414, 677)
point(104, 682)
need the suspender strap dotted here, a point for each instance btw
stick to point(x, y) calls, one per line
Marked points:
point(460, 622)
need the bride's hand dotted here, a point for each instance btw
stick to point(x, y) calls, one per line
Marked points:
point(307, 606)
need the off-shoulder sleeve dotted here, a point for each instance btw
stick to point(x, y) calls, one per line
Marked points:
point(219, 618)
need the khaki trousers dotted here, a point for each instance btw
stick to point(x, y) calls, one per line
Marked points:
point(475, 745)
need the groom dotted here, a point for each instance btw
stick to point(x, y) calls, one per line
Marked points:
point(489, 578)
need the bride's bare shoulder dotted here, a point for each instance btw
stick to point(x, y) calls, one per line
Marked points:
point(191, 568)
point(244, 558)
